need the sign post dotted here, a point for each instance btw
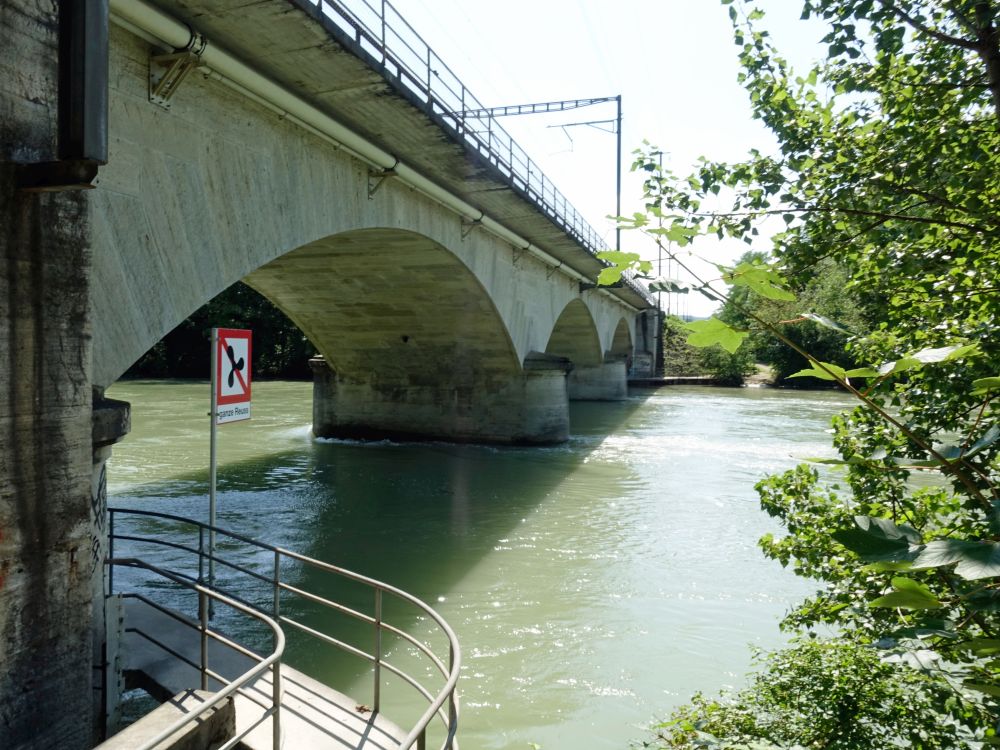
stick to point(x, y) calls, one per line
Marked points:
point(230, 403)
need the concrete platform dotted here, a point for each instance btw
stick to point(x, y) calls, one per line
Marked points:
point(313, 715)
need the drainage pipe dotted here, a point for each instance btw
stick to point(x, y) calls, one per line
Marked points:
point(155, 25)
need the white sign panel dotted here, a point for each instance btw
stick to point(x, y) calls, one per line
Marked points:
point(232, 376)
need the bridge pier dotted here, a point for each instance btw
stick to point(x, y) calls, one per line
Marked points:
point(530, 407)
point(111, 420)
point(606, 382)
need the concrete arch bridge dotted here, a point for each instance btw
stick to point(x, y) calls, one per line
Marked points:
point(433, 317)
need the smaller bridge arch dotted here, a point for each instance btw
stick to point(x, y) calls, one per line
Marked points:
point(621, 341)
point(595, 375)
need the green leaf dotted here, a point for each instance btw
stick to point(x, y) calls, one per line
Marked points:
point(974, 559)
point(929, 356)
point(825, 322)
point(610, 275)
point(816, 372)
point(673, 286)
point(983, 687)
point(985, 385)
point(861, 372)
point(983, 601)
point(900, 365)
point(714, 331)
point(991, 436)
point(908, 594)
point(618, 257)
point(878, 540)
point(983, 646)
point(762, 279)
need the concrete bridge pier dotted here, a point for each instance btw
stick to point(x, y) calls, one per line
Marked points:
point(110, 421)
point(605, 382)
point(530, 407)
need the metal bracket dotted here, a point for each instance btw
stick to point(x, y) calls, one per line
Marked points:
point(468, 226)
point(518, 252)
point(552, 270)
point(377, 179)
point(166, 72)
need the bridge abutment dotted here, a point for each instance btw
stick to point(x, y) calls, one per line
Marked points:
point(530, 407)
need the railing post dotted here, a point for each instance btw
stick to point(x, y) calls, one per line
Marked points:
point(276, 701)
point(429, 97)
point(201, 554)
point(383, 34)
point(111, 551)
point(462, 126)
point(377, 698)
point(203, 619)
point(277, 585)
point(452, 712)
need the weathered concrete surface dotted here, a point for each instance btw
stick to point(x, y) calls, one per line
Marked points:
point(212, 729)
point(607, 382)
point(529, 407)
point(46, 559)
point(110, 422)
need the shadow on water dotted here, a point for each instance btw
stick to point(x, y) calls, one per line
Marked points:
point(415, 515)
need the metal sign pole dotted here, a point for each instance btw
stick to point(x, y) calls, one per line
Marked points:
point(211, 462)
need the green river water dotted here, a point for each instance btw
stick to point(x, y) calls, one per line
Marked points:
point(593, 585)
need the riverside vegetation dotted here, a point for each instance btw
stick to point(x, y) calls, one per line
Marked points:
point(887, 174)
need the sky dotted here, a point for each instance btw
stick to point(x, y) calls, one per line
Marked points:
point(673, 62)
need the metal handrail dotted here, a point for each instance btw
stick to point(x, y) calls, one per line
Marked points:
point(272, 661)
point(450, 671)
point(378, 33)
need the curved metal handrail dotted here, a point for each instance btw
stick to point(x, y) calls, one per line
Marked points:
point(272, 661)
point(447, 694)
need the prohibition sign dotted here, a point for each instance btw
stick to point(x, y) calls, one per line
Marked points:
point(232, 375)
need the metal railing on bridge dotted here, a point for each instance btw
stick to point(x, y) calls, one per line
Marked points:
point(249, 563)
point(376, 31)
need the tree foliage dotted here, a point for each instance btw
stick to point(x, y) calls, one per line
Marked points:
point(834, 694)
point(280, 349)
point(888, 166)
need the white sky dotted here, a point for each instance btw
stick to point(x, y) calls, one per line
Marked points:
point(673, 62)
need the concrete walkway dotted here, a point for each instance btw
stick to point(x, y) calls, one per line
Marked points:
point(313, 716)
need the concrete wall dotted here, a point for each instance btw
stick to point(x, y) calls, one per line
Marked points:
point(46, 528)
point(529, 408)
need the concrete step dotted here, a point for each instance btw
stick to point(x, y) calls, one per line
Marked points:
point(210, 730)
point(313, 715)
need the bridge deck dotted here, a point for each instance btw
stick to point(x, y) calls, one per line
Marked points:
point(313, 716)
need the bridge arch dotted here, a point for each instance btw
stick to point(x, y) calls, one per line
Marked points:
point(575, 336)
point(220, 189)
point(621, 341)
point(392, 305)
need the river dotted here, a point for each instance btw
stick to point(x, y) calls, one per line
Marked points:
point(593, 585)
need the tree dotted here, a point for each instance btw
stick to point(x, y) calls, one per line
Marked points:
point(280, 349)
point(888, 165)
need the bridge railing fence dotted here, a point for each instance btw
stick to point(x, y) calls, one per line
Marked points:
point(377, 29)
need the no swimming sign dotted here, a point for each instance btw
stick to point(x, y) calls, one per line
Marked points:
point(232, 375)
